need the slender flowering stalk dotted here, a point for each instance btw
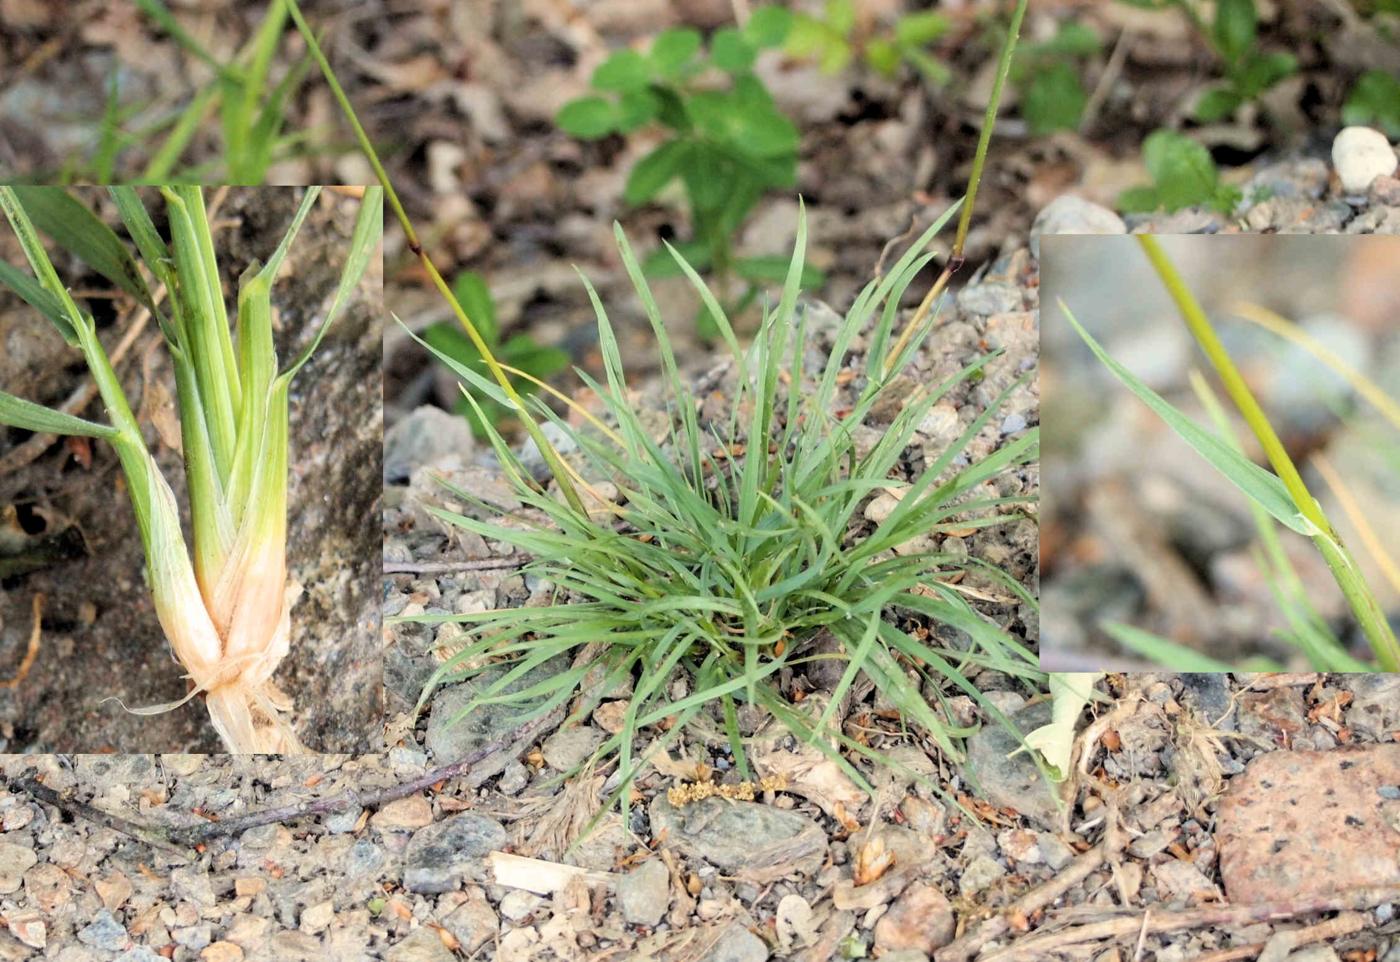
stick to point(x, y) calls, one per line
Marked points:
point(226, 607)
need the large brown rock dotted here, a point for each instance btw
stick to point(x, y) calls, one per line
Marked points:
point(1305, 824)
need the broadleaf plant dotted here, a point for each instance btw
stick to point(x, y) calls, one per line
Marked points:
point(1183, 175)
point(726, 143)
point(1233, 35)
point(840, 33)
point(736, 542)
point(1047, 75)
point(225, 606)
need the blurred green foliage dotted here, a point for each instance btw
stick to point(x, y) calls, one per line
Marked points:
point(1374, 101)
point(519, 351)
point(726, 141)
point(1183, 175)
point(837, 36)
point(1047, 74)
point(1233, 35)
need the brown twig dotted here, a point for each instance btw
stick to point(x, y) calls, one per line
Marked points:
point(1040, 896)
point(179, 839)
point(1344, 924)
point(1219, 916)
point(446, 567)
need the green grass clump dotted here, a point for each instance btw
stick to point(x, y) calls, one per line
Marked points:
point(251, 106)
point(737, 541)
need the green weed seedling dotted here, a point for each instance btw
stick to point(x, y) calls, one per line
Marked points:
point(1374, 101)
point(1281, 498)
point(527, 362)
point(837, 36)
point(1047, 75)
point(1183, 175)
point(735, 543)
point(1233, 36)
point(727, 144)
point(251, 108)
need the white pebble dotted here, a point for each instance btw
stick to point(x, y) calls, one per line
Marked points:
point(1360, 155)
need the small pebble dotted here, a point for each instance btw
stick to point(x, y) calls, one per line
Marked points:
point(1360, 155)
point(1013, 423)
point(1068, 214)
point(104, 932)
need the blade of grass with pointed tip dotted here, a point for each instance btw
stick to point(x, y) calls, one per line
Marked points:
point(1261, 487)
point(19, 413)
point(364, 241)
point(78, 230)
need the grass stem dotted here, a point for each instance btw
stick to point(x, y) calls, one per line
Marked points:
point(551, 456)
point(979, 160)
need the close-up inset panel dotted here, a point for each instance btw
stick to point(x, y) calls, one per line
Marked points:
point(1222, 438)
point(189, 469)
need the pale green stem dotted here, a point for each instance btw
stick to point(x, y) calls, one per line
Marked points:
point(979, 160)
point(551, 456)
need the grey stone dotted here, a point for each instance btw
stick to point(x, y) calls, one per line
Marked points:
point(429, 437)
point(15, 860)
point(513, 779)
point(192, 883)
point(737, 944)
point(644, 893)
point(439, 856)
point(1013, 423)
point(1068, 214)
point(450, 737)
point(1375, 706)
point(194, 937)
point(990, 298)
point(757, 842)
point(570, 747)
point(421, 945)
point(980, 873)
point(104, 932)
point(342, 822)
point(1208, 695)
point(1012, 782)
point(1054, 850)
point(365, 859)
point(139, 953)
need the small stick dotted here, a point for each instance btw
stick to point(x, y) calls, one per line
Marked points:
point(1219, 916)
point(1344, 924)
point(179, 839)
point(446, 567)
point(1040, 896)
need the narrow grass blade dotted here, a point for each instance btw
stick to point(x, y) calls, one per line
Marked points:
point(19, 413)
point(1362, 385)
point(1261, 487)
point(1357, 516)
point(75, 228)
point(1163, 651)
